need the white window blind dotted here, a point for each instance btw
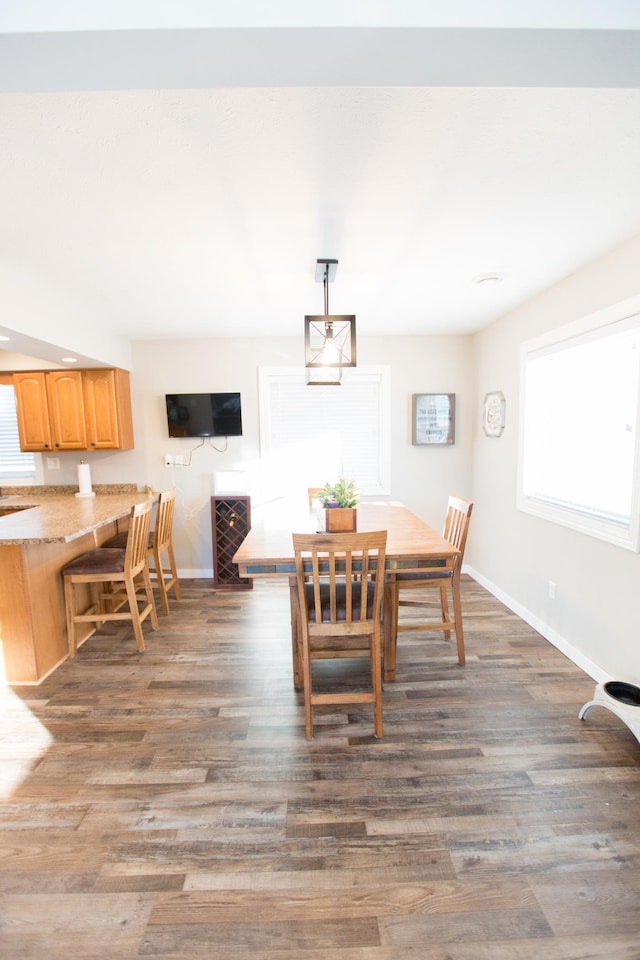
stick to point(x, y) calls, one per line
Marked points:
point(14, 464)
point(313, 434)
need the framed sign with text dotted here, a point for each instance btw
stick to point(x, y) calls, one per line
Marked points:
point(434, 419)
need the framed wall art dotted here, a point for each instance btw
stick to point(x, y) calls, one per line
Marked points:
point(493, 413)
point(434, 419)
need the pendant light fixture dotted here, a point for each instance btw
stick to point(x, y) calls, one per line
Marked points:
point(329, 339)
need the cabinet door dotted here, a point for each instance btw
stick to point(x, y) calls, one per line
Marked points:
point(108, 409)
point(66, 409)
point(32, 411)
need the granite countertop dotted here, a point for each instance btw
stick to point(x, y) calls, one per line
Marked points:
point(56, 490)
point(51, 519)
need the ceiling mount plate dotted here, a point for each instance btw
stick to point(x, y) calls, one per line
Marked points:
point(330, 266)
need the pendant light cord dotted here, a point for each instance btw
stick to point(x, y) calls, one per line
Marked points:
point(326, 289)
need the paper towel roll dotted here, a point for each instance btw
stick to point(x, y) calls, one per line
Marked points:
point(84, 480)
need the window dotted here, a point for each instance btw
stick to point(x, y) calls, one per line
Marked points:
point(15, 466)
point(579, 443)
point(311, 434)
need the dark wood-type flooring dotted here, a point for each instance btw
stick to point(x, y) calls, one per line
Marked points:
point(167, 804)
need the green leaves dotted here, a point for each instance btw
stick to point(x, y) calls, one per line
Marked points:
point(342, 493)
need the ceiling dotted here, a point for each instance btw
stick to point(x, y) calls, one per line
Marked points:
point(182, 182)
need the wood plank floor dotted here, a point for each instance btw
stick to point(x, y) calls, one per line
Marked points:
point(166, 804)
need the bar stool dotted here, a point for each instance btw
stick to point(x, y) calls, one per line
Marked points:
point(160, 543)
point(117, 568)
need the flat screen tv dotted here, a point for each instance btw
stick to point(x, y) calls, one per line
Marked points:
point(204, 414)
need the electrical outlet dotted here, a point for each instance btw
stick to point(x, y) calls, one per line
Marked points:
point(168, 460)
point(552, 590)
point(53, 463)
point(178, 461)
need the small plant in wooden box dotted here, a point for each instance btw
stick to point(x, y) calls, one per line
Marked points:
point(340, 500)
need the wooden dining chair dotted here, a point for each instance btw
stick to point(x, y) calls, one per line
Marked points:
point(160, 544)
point(340, 579)
point(446, 578)
point(111, 573)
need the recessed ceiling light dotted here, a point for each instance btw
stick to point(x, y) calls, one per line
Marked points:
point(488, 278)
point(68, 360)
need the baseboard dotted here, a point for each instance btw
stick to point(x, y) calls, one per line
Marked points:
point(584, 663)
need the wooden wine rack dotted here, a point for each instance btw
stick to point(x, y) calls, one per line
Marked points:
point(230, 523)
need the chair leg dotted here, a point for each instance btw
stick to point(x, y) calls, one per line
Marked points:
point(306, 683)
point(69, 606)
point(151, 604)
point(100, 600)
point(135, 615)
point(390, 628)
point(296, 642)
point(170, 580)
point(444, 607)
point(457, 616)
point(174, 571)
point(162, 584)
point(376, 679)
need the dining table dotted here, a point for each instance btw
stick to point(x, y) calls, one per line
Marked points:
point(412, 547)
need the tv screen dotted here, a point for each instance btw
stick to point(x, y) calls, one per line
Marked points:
point(204, 414)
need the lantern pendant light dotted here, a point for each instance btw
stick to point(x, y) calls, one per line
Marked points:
point(329, 339)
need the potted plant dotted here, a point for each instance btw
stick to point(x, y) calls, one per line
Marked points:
point(340, 500)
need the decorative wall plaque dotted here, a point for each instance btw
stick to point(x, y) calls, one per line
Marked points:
point(493, 413)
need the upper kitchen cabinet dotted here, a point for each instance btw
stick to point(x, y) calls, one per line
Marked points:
point(107, 405)
point(74, 410)
point(33, 411)
point(66, 409)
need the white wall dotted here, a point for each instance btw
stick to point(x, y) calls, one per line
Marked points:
point(421, 477)
point(596, 614)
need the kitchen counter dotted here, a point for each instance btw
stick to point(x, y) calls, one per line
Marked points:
point(60, 519)
point(35, 544)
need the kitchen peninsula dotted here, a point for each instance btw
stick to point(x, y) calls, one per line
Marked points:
point(39, 534)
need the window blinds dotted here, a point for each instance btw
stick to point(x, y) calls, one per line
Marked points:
point(321, 433)
point(14, 464)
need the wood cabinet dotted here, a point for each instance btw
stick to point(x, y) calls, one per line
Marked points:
point(32, 411)
point(66, 409)
point(107, 406)
point(74, 410)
